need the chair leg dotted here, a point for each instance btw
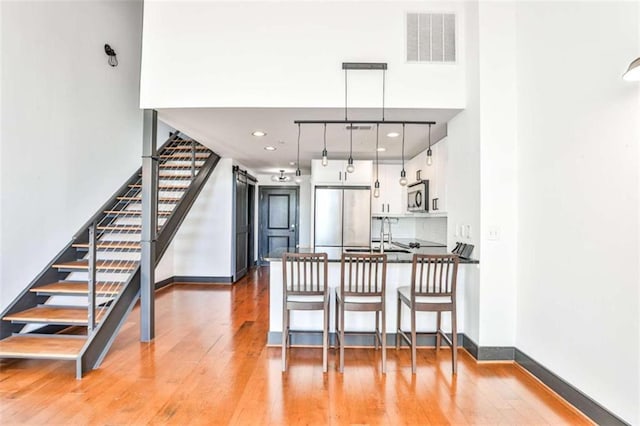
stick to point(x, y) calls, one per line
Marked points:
point(454, 341)
point(377, 332)
point(341, 307)
point(398, 322)
point(288, 331)
point(325, 337)
point(337, 320)
point(285, 332)
point(384, 340)
point(414, 342)
point(438, 330)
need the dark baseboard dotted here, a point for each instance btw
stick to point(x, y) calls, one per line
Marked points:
point(574, 396)
point(203, 279)
point(193, 279)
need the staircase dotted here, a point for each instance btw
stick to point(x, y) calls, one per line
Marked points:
point(74, 308)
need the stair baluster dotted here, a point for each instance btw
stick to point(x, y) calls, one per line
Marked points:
point(92, 279)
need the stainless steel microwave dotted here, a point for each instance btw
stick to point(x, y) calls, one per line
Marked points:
point(418, 196)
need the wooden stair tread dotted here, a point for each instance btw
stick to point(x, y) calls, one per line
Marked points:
point(164, 167)
point(131, 245)
point(54, 315)
point(163, 187)
point(77, 287)
point(187, 155)
point(135, 212)
point(160, 200)
point(186, 148)
point(133, 228)
point(125, 265)
point(54, 347)
point(169, 176)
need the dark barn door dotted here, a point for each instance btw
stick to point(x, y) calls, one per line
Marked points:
point(243, 222)
point(278, 219)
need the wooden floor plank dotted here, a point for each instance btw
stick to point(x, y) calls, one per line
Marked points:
point(209, 364)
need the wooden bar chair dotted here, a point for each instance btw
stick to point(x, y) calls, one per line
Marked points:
point(304, 277)
point(433, 289)
point(363, 280)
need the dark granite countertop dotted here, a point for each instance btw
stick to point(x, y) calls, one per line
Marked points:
point(335, 254)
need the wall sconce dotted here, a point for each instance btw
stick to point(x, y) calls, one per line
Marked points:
point(633, 72)
point(113, 60)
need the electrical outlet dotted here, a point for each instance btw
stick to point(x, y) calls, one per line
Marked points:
point(494, 233)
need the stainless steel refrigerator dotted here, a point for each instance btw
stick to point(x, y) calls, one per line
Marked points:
point(342, 219)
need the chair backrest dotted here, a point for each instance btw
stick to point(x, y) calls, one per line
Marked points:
point(363, 274)
point(304, 274)
point(434, 275)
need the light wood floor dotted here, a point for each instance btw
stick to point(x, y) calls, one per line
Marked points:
point(209, 365)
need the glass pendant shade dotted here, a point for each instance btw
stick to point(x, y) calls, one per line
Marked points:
point(325, 160)
point(350, 167)
point(298, 178)
point(429, 157)
point(376, 189)
point(403, 178)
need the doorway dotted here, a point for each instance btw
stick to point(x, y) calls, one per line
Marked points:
point(243, 223)
point(278, 219)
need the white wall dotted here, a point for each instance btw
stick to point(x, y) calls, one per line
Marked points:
point(202, 245)
point(289, 54)
point(578, 132)
point(498, 172)
point(463, 176)
point(71, 128)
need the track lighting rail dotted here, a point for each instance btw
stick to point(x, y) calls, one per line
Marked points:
point(423, 123)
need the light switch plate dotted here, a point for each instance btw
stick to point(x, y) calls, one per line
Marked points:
point(494, 233)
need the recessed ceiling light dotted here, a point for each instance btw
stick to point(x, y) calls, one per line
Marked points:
point(292, 163)
point(259, 133)
point(393, 134)
point(270, 148)
point(382, 149)
point(281, 142)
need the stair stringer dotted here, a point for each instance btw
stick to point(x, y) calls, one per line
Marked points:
point(100, 341)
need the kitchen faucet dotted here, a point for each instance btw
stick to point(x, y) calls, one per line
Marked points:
point(382, 234)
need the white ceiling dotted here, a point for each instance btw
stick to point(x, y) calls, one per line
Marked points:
point(227, 131)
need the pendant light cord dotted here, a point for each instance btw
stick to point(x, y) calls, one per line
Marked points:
point(377, 133)
point(384, 79)
point(351, 142)
point(325, 136)
point(429, 136)
point(298, 160)
point(403, 147)
point(345, 95)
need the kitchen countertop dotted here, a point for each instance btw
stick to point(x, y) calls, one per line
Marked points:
point(334, 255)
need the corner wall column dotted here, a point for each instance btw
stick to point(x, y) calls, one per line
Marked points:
point(149, 225)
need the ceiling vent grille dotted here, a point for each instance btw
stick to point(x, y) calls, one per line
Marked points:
point(431, 37)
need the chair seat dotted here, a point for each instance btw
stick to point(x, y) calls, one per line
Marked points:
point(360, 299)
point(405, 292)
point(306, 299)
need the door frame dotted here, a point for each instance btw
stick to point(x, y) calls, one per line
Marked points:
point(261, 189)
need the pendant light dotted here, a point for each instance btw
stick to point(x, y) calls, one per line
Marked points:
point(298, 178)
point(376, 186)
point(325, 160)
point(429, 153)
point(403, 173)
point(350, 166)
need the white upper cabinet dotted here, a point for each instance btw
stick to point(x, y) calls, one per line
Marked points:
point(392, 200)
point(436, 174)
point(335, 173)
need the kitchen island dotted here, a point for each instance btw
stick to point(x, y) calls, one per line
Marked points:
point(399, 261)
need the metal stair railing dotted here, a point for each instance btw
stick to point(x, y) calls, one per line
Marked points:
point(113, 314)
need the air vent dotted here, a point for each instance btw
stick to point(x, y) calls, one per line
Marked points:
point(357, 127)
point(431, 37)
